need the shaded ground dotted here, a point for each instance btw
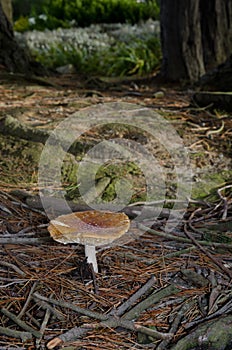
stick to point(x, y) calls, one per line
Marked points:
point(45, 107)
point(192, 279)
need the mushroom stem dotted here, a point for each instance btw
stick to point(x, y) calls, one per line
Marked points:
point(90, 253)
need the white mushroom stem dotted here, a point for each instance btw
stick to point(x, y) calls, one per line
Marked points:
point(90, 253)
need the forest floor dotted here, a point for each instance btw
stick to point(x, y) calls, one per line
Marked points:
point(168, 287)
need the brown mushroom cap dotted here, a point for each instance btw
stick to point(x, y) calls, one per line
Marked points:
point(89, 227)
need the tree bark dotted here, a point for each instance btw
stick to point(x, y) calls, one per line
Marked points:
point(196, 36)
point(219, 79)
point(12, 56)
point(181, 40)
point(216, 27)
point(7, 8)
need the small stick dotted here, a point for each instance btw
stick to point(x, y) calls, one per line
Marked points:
point(183, 239)
point(218, 263)
point(162, 201)
point(149, 301)
point(133, 298)
point(175, 324)
point(78, 332)
point(22, 240)
point(73, 307)
point(111, 322)
point(72, 334)
point(28, 300)
point(177, 253)
point(43, 326)
point(14, 267)
point(33, 209)
point(107, 321)
point(224, 199)
point(96, 291)
point(24, 336)
point(225, 309)
point(47, 306)
point(20, 323)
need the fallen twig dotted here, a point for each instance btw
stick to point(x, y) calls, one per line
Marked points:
point(20, 323)
point(133, 298)
point(28, 300)
point(14, 267)
point(175, 324)
point(80, 332)
point(224, 199)
point(47, 306)
point(24, 240)
point(225, 309)
point(183, 239)
point(43, 326)
point(24, 336)
point(106, 321)
point(198, 244)
point(111, 322)
point(149, 301)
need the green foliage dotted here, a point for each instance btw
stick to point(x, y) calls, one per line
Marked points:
point(59, 55)
point(114, 11)
point(22, 24)
point(137, 58)
point(59, 13)
point(95, 52)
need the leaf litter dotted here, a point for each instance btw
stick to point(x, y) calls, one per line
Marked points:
point(148, 294)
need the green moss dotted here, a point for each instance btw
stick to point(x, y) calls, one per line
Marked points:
point(19, 160)
point(208, 182)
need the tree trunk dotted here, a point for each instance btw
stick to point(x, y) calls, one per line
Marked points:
point(181, 40)
point(12, 56)
point(196, 36)
point(7, 8)
point(219, 79)
point(216, 27)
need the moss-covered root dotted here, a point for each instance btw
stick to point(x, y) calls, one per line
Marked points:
point(213, 335)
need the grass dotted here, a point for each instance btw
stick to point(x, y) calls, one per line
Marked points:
point(138, 57)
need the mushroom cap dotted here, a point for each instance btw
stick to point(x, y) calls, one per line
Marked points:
point(93, 227)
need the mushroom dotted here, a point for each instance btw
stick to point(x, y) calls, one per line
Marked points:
point(90, 228)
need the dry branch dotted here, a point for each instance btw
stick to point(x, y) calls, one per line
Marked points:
point(13, 127)
point(79, 332)
point(24, 240)
point(28, 300)
point(14, 267)
point(217, 262)
point(106, 321)
point(20, 323)
point(183, 239)
point(175, 324)
point(149, 301)
point(24, 336)
point(43, 326)
point(47, 306)
point(133, 298)
point(57, 205)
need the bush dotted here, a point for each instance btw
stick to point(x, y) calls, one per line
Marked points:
point(137, 58)
point(59, 13)
point(105, 50)
point(22, 24)
point(134, 59)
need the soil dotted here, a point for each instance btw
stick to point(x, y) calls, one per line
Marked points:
point(205, 134)
point(158, 289)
